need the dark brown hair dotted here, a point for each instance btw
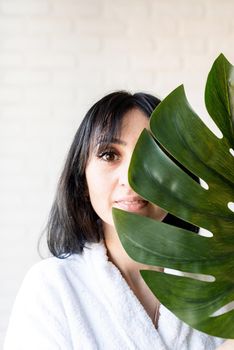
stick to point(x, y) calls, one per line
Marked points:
point(72, 221)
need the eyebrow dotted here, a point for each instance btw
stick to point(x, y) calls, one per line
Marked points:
point(114, 140)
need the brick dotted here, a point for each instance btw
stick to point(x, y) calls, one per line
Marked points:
point(99, 28)
point(24, 113)
point(104, 62)
point(197, 63)
point(128, 45)
point(11, 25)
point(10, 163)
point(25, 77)
point(23, 222)
point(26, 184)
point(85, 76)
point(50, 60)
point(39, 94)
point(143, 80)
point(224, 48)
point(48, 25)
point(10, 59)
point(71, 118)
point(24, 7)
point(140, 10)
point(207, 28)
point(10, 95)
point(222, 10)
point(163, 28)
point(76, 8)
point(132, 82)
point(23, 42)
point(20, 160)
point(155, 62)
point(21, 141)
point(2, 76)
point(164, 8)
point(181, 46)
point(75, 43)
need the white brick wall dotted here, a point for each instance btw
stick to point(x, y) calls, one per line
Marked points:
point(56, 58)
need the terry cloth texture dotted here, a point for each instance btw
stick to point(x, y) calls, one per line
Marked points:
point(83, 302)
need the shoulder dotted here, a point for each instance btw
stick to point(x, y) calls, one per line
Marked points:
point(53, 283)
point(54, 265)
point(51, 269)
point(53, 293)
point(55, 271)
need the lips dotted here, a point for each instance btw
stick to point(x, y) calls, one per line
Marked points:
point(133, 204)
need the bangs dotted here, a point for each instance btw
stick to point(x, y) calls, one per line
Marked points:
point(103, 122)
point(106, 129)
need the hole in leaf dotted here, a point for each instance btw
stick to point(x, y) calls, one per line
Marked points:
point(213, 127)
point(195, 276)
point(224, 309)
point(205, 233)
point(204, 184)
point(231, 150)
point(231, 206)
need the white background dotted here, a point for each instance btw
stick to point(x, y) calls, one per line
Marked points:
point(57, 57)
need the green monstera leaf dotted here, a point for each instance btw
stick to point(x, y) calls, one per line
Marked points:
point(206, 282)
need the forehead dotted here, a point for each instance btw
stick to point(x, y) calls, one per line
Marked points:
point(115, 127)
point(132, 126)
point(134, 121)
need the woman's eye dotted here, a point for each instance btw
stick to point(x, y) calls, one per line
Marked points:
point(109, 156)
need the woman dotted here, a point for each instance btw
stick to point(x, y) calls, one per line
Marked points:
point(93, 296)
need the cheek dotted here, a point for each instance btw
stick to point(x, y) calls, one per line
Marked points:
point(96, 182)
point(93, 186)
point(94, 195)
point(98, 190)
point(157, 213)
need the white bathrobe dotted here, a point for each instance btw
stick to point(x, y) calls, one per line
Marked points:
point(83, 302)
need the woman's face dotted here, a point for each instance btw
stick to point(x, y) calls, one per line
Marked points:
point(107, 173)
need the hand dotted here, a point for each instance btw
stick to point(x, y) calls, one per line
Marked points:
point(227, 345)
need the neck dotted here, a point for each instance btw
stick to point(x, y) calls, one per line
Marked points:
point(118, 256)
point(130, 270)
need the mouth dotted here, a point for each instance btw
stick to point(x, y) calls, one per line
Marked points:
point(131, 204)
